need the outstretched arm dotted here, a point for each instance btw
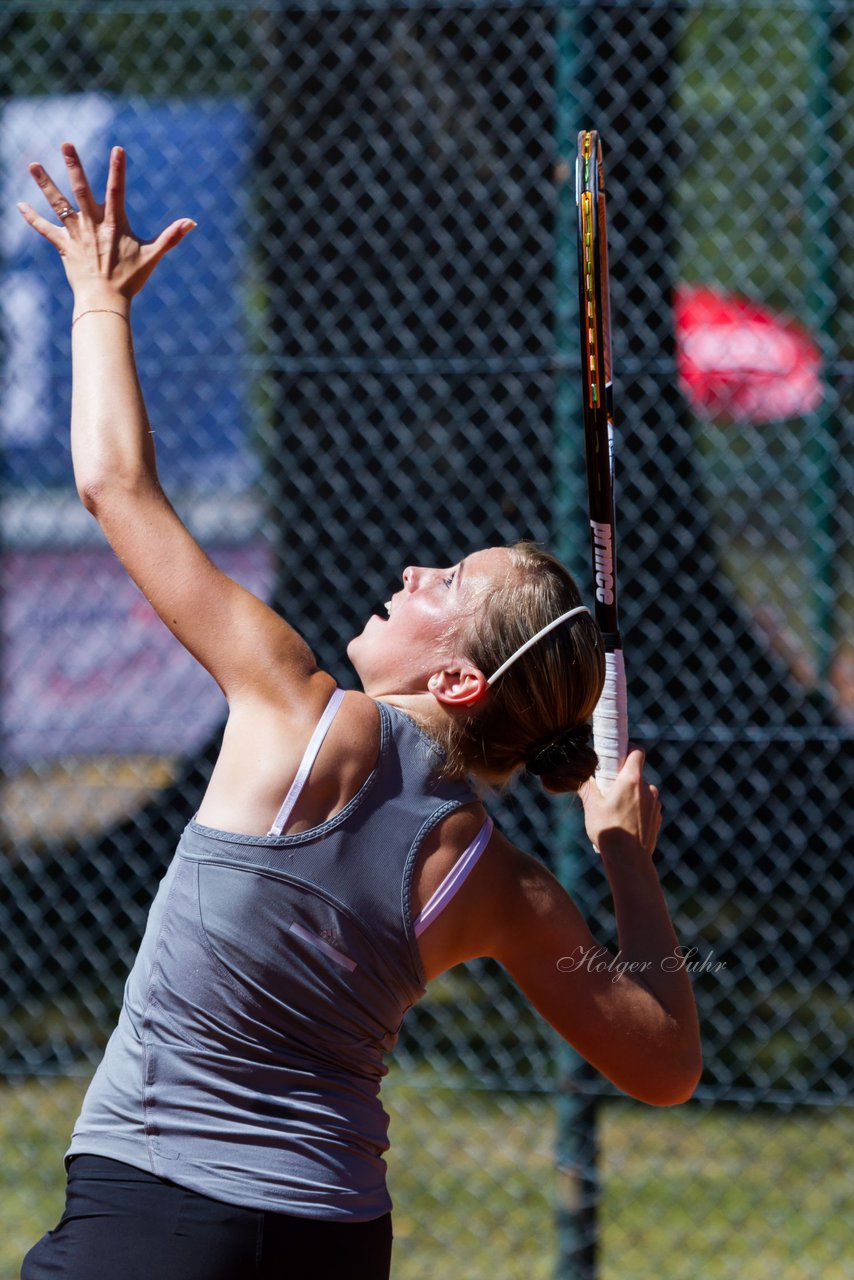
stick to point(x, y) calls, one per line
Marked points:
point(247, 647)
point(632, 1015)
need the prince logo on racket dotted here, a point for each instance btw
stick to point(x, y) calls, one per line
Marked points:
point(603, 551)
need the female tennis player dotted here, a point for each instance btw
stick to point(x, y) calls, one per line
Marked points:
point(341, 859)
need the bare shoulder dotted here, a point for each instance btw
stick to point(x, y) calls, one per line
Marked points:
point(355, 730)
point(347, 758)
point(354, 739)
point(265, 740)
point(453, 936)
point(498, 905)
point(511, 908)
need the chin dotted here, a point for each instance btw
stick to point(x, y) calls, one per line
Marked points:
point(364, 656)
point(353, 651)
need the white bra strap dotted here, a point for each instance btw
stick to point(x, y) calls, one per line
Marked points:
point(307, 761)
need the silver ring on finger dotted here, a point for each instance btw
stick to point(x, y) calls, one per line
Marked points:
point(67, 212)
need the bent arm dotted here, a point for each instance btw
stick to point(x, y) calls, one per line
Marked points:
point(631, 1014)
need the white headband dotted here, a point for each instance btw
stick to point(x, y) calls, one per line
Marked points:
point(581, 608)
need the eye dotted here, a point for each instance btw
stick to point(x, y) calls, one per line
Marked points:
point(446, 582)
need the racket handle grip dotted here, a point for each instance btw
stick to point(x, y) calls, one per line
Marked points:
point(611, 721)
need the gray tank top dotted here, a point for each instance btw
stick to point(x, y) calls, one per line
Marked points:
point(271, 980)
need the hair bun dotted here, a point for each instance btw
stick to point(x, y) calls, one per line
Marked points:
point(565, 762)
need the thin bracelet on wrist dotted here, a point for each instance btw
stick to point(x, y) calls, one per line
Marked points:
point(104, 311)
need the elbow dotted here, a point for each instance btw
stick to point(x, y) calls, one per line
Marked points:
point(674, 1082)
point(98, 492)
point(662, 1074)
point(672, 1095)
point(88, 492)
point(94, 487)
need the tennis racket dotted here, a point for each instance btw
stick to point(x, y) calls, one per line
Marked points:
point(610, 719)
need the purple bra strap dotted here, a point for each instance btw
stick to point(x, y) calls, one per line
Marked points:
point(454, 879)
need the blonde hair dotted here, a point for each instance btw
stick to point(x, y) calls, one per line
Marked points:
point(537, 713)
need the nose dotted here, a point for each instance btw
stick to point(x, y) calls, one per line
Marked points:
point(415, 576)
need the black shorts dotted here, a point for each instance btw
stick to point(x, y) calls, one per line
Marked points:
point(122, 1223)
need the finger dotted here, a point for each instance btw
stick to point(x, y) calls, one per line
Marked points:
point(51, 192)
point(169, 238)
point(588, 790)
point(634, 760)
point(44, 228)
point(79, 182)
point(114, 205)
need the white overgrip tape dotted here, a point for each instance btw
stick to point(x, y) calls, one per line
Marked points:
point(610, 721)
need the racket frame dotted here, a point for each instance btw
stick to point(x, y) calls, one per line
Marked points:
point(610, 721)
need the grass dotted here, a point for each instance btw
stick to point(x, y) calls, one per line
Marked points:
point(687, 1193)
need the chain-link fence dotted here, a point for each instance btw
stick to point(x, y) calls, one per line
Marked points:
point(366, 356)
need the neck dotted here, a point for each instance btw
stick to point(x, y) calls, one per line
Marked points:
point(421, 707)
point(431, 717)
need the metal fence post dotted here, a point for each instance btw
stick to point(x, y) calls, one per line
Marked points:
point(821, 307)
point(577, 1138)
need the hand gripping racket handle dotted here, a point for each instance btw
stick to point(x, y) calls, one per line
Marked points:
point(611, 722)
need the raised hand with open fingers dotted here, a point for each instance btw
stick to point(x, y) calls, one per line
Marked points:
point(100, 253)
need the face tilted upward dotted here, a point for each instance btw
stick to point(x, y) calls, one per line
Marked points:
point(418, 636)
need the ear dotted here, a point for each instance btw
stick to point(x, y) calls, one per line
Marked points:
point(460, 686)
